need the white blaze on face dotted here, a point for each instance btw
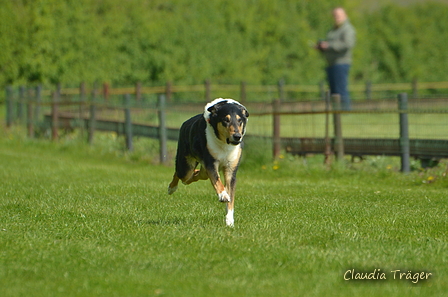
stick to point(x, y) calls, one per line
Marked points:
point(216, 101)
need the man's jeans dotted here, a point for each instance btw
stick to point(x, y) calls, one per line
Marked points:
point(338, 79)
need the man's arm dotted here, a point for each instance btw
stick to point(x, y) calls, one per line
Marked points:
point(346, 42)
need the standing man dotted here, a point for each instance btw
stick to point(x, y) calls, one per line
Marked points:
point(337, 49)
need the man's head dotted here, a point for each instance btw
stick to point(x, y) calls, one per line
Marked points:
point(339, 16)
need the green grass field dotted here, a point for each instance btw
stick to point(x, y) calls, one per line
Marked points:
point(95, 221)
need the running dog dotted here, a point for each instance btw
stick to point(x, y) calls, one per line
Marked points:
point(214, 140)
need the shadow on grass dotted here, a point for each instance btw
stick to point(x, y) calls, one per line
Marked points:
point(165, 222)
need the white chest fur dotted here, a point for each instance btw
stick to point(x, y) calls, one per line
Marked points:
point(221, 151)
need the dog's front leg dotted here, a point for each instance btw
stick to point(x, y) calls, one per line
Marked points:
point(230, 178)
point(213, 175)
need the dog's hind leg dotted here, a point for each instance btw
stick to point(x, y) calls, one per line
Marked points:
point(173, 185)
point(197, 174)
point(185, 169)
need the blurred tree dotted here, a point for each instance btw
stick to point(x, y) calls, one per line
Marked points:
point(153, 41)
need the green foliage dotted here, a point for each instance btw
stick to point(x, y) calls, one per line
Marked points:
point(405, 42)
point(122, 42)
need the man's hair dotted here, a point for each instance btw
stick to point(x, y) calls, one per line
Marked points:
point(339, 7)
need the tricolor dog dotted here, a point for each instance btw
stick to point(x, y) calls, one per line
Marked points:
point(212, 139)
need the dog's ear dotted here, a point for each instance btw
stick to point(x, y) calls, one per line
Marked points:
point(245, 112)
point(214, 108)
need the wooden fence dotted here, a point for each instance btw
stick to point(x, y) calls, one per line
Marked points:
point(426, 150)
point(27, 110)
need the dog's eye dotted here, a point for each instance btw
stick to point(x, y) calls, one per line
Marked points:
point(226, 120)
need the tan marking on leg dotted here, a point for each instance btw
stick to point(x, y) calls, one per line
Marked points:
point(187, 177)
point(229, 172)
point(219, 187)
point(198, 174)
point(202, 174)
point(217, 184)
point(228, 175)
point(173, 185)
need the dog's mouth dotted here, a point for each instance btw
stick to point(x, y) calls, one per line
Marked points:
point(233, 142)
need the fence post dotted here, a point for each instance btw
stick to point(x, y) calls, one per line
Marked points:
point(138, 91)
point(339, 141)
point(276, 104)
point(29, 117)
point(91, 130)
point(404, 132)
point(82, 99)
point(323, 93)
point(368, 90)
point(55, 114)
point(106, 92)
point(21, 104)
point(38, 101)
point(9, 107)
point(128, 122)
point(163, 138)
point(327, 153)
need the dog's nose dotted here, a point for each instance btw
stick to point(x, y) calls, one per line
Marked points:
point(237, 136)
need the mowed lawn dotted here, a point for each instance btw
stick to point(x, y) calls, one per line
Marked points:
point(75, 221)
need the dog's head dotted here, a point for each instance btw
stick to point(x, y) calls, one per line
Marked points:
point(228, 119)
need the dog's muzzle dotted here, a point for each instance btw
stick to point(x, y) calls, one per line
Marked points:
point(235, 139)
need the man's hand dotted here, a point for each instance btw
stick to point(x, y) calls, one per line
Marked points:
point(323, 45)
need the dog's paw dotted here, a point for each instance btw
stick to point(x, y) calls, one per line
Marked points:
point(224, 197)
point(229, 218)
point(171, 190)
